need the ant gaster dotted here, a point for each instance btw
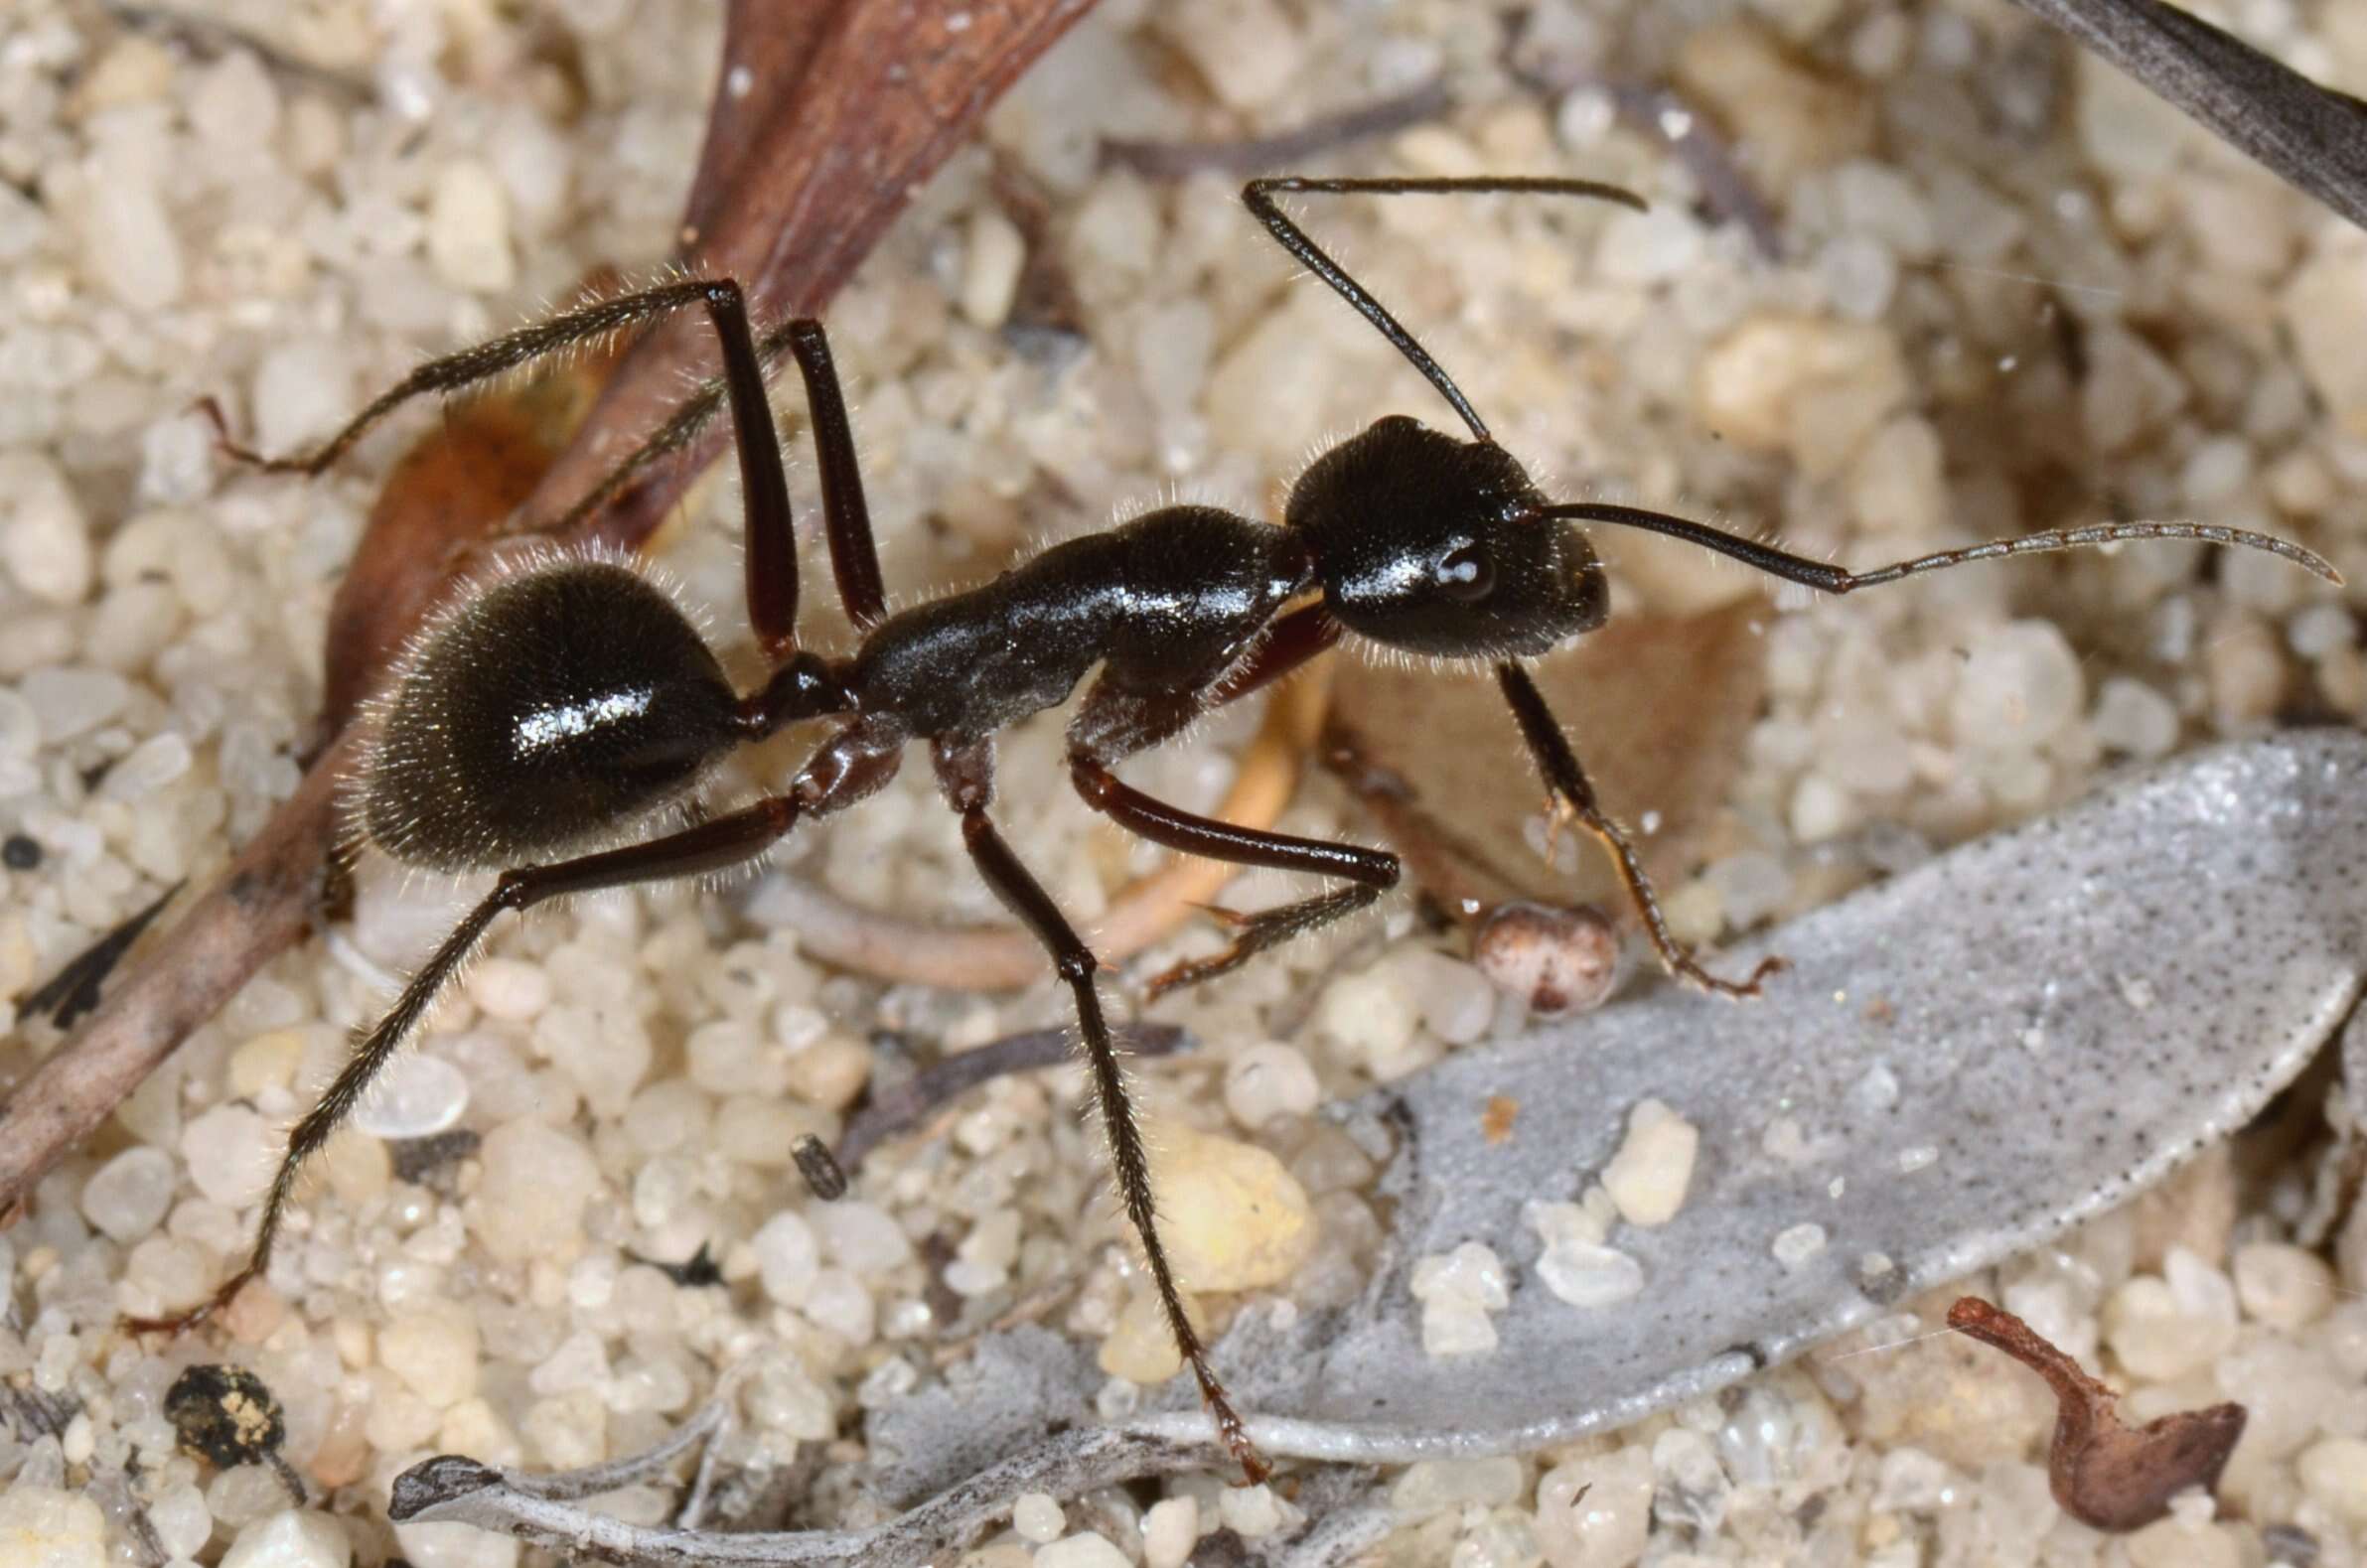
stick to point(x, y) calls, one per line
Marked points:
point(567, 700)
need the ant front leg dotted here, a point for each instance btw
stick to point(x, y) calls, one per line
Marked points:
point(1574, 795)
point(966, 773)
point(717, 845)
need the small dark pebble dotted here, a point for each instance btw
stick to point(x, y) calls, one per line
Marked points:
point(20, 853)
point(2290, 1543)
point(696, 1270)
point(417, 1159)
point(224, 1415)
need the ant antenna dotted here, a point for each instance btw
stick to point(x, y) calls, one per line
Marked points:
point(1836, 580)
point(1258, 195)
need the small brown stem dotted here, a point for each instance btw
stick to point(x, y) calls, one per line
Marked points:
point(2103, 1471)
point(1256, 154)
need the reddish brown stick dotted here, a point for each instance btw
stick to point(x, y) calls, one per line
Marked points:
point(2103, 1471)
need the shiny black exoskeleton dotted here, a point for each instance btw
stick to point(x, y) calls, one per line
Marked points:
point(563, 705)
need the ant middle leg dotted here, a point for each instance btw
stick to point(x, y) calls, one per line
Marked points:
point(715, 845)
point(1573, 794)
point(1113, 723)
point(966, 773)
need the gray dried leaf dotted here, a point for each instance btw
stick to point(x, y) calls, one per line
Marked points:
point(1961, 1064)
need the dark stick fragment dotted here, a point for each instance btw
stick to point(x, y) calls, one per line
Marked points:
point(416, 1160)
point(698, 1269)
point(1725, 191)
point(74, 990)
point(2103, 1471)
point(2315, 138)
point(1178, 160)
point(910, 1102)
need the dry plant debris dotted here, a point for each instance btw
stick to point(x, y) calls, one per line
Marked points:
point(2103, 1471)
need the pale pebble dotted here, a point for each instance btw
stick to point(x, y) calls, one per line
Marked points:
point(468, 229)
point(2335, 1474)
point(787, 1257)
point(1596, 1513)
point(230, 1152)
point(147, 768)
point(1269, 1080)
point(434, 1352)
point(417, 1096)
point(1647, 1179)
point(295, 1538)
point(70, 700)
point(2282, 1285)
point(44, 539)
point(1251, 1512)
point(530, 1200)
point(1089, 1549)
point(127, 1197)
point(509, 989)
point(992, 267)
point(1170, 1529)
point(1589, 1274)
point(47, 1527)
point(430, 1545)
point(1037, 1516)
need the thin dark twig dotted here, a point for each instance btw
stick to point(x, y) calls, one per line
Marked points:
point(74, 990)
point(2311, 136)
point(208, 37)
point(1249, 155)
point(1725, 191)
point(907, 1104)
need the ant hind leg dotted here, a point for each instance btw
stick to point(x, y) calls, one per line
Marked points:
point(713, 845)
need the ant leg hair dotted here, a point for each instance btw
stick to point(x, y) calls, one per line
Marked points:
point(714, 845)
point(1573, 794)
point(1259, 197)
point(1834, 580)
point(854, 557)
point(968, 782)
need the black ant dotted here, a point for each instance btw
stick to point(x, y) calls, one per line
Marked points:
point(567, 700)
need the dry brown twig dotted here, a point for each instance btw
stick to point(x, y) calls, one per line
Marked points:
point(2103, 1471)
point(849, 105)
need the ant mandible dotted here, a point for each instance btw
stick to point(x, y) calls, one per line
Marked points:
point(567, 699)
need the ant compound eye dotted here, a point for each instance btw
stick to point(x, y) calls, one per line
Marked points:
point(1465, 573)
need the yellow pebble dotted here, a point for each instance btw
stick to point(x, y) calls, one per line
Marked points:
point(267, 1061)
point(1231, 1217)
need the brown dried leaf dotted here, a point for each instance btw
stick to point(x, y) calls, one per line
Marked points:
point(1656, 708)
point(2103, 1471)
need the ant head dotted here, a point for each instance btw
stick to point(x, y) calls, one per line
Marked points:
point(540, 714)
point(1436, 546)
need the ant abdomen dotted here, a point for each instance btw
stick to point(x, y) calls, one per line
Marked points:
point(544, 712)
